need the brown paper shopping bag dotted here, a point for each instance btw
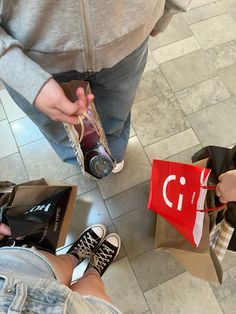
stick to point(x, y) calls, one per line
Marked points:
point(38, 212)
point(200, 261)
point(87, 137)
point(220, 160)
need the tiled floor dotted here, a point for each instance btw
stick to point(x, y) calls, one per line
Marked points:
point(186, 100)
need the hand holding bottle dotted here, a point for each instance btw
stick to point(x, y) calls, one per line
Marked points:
point(53, 102)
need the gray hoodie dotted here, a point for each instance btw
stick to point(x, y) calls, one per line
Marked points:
point(39, 38)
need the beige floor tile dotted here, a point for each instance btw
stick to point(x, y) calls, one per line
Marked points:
point(176, 30)
point(151, 62)
point(132, 132)
point(1, 85)
point(13, 169)
point(13, 112)
point(172, 145)
point(202, 95)
point(123, 288)
point(7, 141)
point(223, 55)
point(226, 293)
point(228, 76)
point(213, 125)
point(137, 169)
point(176, 49)
point(83, 183)
point(178, 74)
point(229, 260)
point(137, 231)
point(157, 118)
point(89, 209)
point(154, 268)
point(183, 294)
point(231, 7)
point(215, 31)
point(199, 3)
point(204, 12)
point(128, 200)
point(152, 83)
point(41, 161)
point(25, 131)
point(2, 112)
point(186, 155)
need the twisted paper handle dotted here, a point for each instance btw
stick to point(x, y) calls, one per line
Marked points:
point(91, 120)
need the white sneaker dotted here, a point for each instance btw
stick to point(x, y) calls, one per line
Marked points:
point(118, 167)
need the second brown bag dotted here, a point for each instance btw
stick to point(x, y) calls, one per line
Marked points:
point(200, 261)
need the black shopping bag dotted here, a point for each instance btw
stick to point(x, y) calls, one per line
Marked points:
point(38, 213)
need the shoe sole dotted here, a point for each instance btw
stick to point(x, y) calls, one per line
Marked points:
point(121, 167)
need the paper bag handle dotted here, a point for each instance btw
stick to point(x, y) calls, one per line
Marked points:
point(217, 208)
point(93, 122)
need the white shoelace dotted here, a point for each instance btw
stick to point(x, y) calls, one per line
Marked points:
point(86, 245)
point(102, 257)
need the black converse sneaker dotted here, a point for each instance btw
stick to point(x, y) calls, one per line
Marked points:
point(106, 253)
point(87, 242)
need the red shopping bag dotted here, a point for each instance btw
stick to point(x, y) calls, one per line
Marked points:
point(178, 194)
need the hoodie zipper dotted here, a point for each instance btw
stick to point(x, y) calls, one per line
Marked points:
point(89, 46)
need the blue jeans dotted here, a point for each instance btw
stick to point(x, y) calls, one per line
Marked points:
point(114, 90)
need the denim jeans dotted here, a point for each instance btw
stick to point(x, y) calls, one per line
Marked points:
point(114, 90)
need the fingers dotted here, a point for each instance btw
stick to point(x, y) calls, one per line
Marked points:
point(4, 230)
point(218, 190)
point(223, 200)
point(68, 119)
point(81, 94)
point(220, 193)
point(77, 108)
point(68, 108)
point(221, 176)
point(226, 188)
point(59, 116)
point(84, 100)
point(52, 101)
point(82, 107)
point(90, 98)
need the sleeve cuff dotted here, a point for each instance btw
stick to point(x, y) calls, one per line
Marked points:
point(172, 7)
point(22, 74)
